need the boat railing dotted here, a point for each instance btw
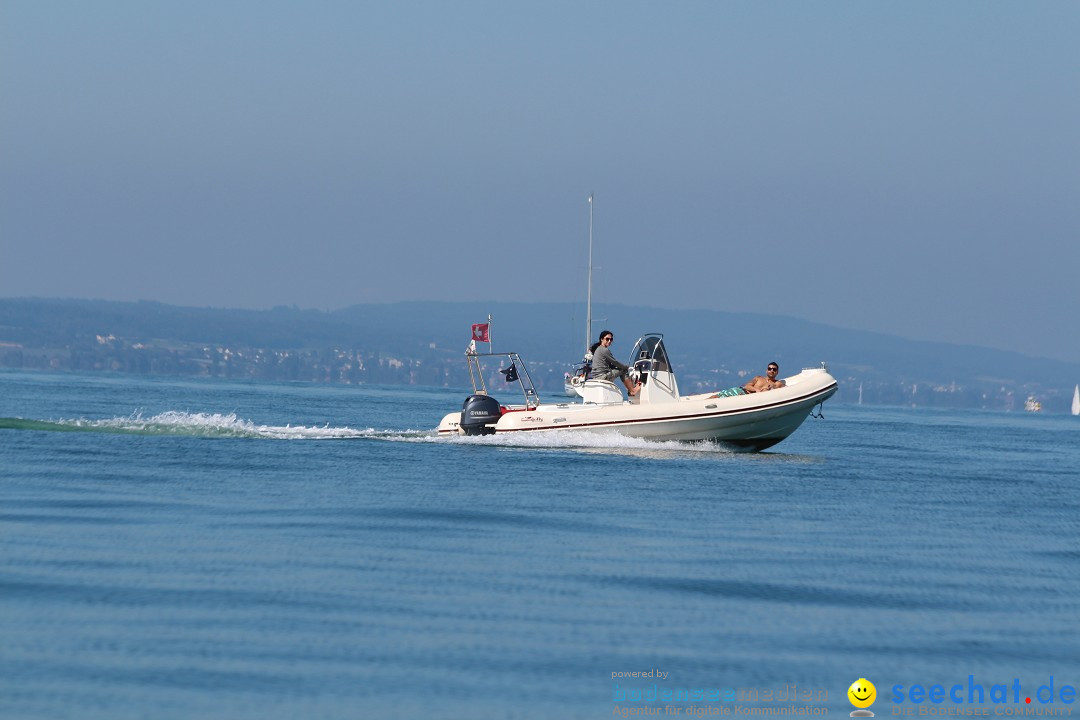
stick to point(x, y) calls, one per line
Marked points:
point(516, 372)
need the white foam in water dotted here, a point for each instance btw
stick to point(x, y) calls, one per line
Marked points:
point(216, 425)
point(584, 441)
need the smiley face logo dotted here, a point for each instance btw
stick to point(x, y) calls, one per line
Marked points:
point(862, 693)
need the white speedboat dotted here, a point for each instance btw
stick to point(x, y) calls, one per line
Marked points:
point(752, 421)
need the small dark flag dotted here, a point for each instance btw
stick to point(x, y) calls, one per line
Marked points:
point(510, 373)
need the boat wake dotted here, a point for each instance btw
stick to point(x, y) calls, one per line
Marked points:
point(210, 425)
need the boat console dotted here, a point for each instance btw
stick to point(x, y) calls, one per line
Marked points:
point(651, 366)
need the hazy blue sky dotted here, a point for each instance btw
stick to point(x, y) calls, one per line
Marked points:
point(906, 167)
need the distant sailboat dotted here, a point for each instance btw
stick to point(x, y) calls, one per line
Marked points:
point(1076, 400)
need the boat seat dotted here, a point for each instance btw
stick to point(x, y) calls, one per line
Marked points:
point(601, 391)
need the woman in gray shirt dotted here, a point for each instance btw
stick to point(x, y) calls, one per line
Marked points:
point(606, 367)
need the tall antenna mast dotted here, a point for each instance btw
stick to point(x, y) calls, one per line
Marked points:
point(588, 301)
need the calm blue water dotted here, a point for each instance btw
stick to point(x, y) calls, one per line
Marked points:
point(203, 549)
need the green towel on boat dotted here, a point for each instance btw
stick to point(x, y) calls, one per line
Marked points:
point(730, 392)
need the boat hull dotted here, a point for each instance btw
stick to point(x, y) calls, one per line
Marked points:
point(746, 422)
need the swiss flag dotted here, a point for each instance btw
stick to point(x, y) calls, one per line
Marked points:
point(480, 332)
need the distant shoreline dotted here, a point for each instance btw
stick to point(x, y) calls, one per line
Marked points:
point(423, 343)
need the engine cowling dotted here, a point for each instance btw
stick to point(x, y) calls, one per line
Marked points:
point(479, 415)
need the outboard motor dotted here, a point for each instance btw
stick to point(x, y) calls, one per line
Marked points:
point(477, 413)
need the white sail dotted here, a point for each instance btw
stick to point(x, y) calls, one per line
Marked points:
point(1076, 401)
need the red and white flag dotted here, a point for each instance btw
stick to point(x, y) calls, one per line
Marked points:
point(480, 332)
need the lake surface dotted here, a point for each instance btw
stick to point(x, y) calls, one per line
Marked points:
point(210, 549)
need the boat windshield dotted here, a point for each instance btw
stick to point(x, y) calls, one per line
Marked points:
point(651, 347)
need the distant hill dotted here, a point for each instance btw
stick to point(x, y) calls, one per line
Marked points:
point(709, 348)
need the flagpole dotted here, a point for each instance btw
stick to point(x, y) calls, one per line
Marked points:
point(489, 334)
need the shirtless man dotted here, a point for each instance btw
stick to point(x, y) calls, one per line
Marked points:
point(769, 382)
